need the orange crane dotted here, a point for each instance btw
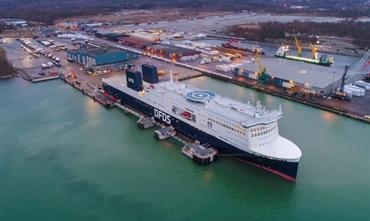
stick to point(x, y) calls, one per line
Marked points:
point(73, 74)
point(298, 44)
point(314, 51)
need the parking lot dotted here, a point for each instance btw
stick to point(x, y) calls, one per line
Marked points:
point(33, 66)
point(25, 60)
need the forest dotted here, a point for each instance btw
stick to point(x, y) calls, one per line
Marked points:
point(358, 31)
point(6, 69)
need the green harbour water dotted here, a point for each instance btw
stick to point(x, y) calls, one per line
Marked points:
point(65, 157)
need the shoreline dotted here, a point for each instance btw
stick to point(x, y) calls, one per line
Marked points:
point(222, 36)
point(295, 99)
point(317, 103)
point(9, 76)
point(306, 102)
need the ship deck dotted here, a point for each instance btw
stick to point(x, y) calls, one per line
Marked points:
point(244, 113)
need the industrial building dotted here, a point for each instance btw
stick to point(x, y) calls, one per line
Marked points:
point(146, 36)
point(49, 32)
point(111, 36)
point(17, 23)
point(287, 73)
point(134, 42)
point(169, 51)
point(100, 56)
point(69, 25)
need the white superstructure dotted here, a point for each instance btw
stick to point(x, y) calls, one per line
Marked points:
point(250, 128)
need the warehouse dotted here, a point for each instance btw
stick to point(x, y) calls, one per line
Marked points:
point(16, 23)
point(287, 73)
point(134, 42)
point(111, 36)
point(69, 25)
point(100, 56)
point(169, 51)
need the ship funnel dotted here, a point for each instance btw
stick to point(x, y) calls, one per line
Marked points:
point(134, 80)
point(150, 73)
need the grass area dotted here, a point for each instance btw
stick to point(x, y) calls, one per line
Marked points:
point(6, 69)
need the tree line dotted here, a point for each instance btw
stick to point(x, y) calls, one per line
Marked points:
point(358, 31)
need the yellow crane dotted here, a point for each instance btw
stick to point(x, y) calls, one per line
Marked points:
point(261, 67)
point(262, 76)
point(298, 44)
point(314, 51)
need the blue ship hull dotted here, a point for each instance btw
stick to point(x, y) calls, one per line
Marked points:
point(287, 170)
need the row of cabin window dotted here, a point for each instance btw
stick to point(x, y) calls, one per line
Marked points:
point(257, 129)
point(263, 132)
point(224, 125)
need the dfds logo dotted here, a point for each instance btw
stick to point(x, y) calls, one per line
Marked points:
point(131, 80)
point(162, 116)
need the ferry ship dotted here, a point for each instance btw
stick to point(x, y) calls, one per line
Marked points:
point(241, 130)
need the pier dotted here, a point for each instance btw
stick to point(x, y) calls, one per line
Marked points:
point(200, 154)
point(127, 110)
point(164, 133)
point(89, 90)
point(145, 122)
point(44, 78)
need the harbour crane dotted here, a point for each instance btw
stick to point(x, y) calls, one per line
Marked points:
point(314, 51)
point(298, 45)
point(263, 77)
point(367, 77)
point(340, 93)
point(73, 74)
point(261, 67)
